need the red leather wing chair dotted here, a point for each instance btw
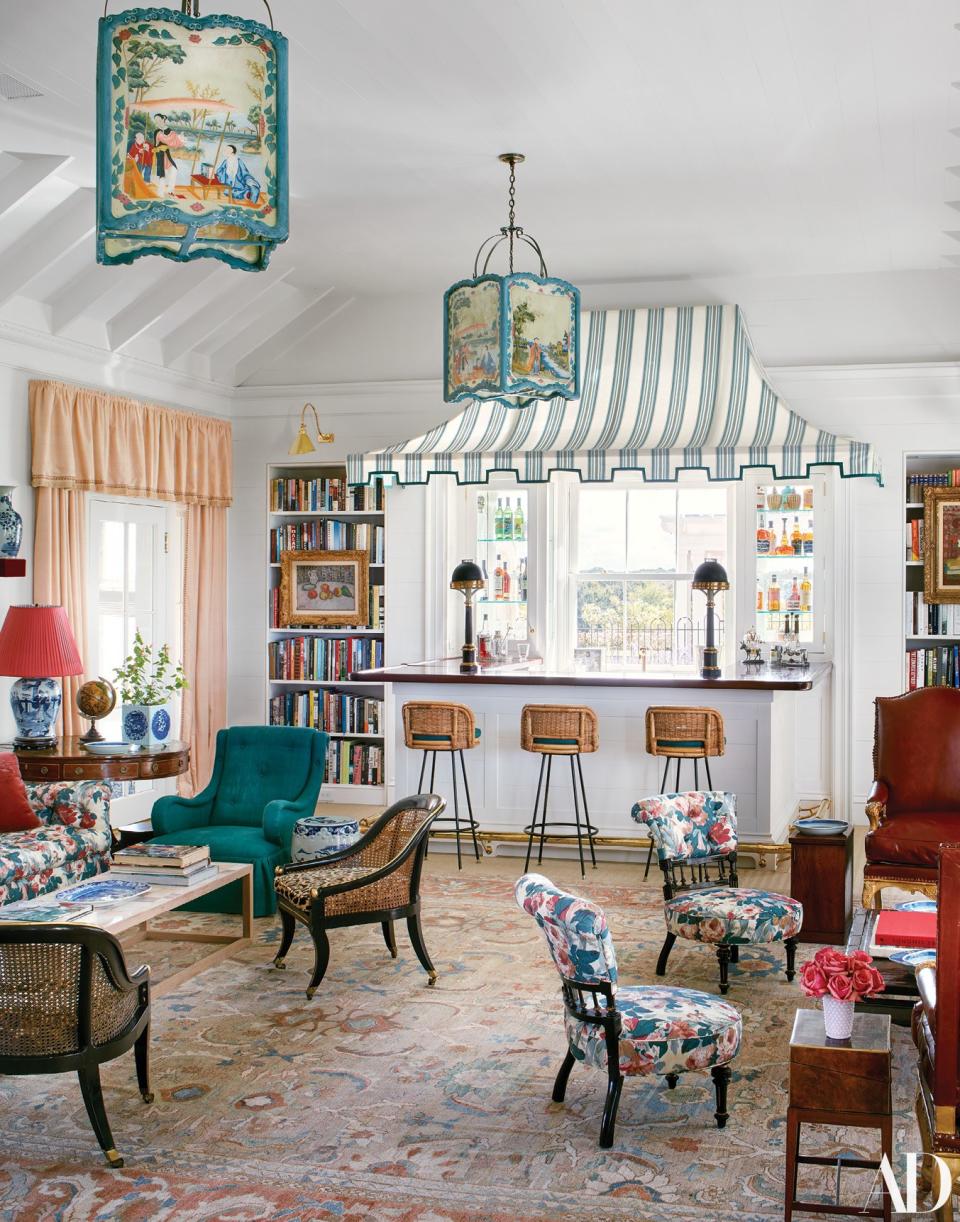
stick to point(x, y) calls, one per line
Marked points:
point(914, 805)
point(936, 1033)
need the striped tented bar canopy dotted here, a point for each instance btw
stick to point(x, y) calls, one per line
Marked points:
point(663, 390)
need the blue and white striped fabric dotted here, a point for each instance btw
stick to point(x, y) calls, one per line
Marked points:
point(664, 390)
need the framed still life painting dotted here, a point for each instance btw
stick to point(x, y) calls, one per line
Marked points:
point(941, 545)
point(324, 590)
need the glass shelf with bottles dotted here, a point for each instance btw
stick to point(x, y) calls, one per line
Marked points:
point(784, 554)
point(500, 536)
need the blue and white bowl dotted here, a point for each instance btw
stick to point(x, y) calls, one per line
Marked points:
point(320, 835)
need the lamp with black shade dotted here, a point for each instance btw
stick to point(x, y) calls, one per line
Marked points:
point(711, 577)
point(468, 578)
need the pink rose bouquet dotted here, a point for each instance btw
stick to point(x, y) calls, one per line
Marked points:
point(844, 977)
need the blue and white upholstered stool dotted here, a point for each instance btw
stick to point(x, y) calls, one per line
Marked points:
point(320, 835)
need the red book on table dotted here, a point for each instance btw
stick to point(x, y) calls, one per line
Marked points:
point(906, 929)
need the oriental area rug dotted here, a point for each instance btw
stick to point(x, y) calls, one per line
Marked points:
point(383, 1099)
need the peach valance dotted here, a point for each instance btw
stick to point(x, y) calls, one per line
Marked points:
point(93, 441)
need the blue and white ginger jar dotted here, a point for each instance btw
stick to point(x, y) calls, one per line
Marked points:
point(11, 528)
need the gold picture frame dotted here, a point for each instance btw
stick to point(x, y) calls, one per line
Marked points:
point(322, 578)
point(941, 545)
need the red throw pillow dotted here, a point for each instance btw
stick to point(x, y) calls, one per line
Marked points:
point(16, 813)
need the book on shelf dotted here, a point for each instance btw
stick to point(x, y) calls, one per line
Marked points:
point(915, 544)
point(45, 914)
point(374, 619)
point(936, 666)
point(169, 856)
point(327, 535)
point(291, 495)
point(931, 619)
point(322, 659)
point(918, 484)
point(333, 711)
point(168, 878)
point(351, 763)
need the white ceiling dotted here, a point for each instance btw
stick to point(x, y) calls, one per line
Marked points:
point(791, 157)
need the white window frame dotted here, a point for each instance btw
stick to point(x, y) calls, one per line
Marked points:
point(167, 578)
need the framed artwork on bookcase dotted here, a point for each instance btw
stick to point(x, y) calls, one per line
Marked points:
point(941, 545)
point(324, 589)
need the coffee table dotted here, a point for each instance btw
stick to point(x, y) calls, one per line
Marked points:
point(135, 915)
point(901, 993)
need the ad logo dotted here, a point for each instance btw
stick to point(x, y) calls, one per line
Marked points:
point(909, 1206)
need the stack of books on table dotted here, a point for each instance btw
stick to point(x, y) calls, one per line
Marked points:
point(175, 865)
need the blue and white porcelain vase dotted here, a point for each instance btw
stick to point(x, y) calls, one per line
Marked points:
point(320, 835)
point(35, 704)
point(11, 528)
point(147, 725)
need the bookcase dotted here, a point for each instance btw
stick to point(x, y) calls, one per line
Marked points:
point(311, 508)
point(931, 631)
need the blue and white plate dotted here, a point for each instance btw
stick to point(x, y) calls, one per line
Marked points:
point(917, 906)
point(914, 958)
point(821, 827)
point(111, 748)
point(114, 891)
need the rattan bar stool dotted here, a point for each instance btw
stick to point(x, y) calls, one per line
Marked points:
point(433, 726)
point(683, 734)
point(559, 729)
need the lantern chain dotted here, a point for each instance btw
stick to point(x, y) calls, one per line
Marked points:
point(512, 200)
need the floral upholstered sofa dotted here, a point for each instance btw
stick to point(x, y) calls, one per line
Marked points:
point(72, 843)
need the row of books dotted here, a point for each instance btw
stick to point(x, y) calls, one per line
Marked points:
point(335, 712)
point(915, 540)
point(350, 763)
point(374, 613)
point(931, 619)
point(916, 484)
point(322, 658)
point(938, 666)
point(327, 535)
point(323, 495)
point(171, 865)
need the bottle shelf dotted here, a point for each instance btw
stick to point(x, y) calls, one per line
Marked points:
point(785, 612)
point(523, 539)
point(784, 556)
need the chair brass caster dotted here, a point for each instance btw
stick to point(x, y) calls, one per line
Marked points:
point(310, 993)
point(431, 980)
point(147, 1096)
point(113, 1157)
point(280, 963)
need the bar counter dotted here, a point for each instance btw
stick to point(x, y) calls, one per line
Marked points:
point(777, 749)
point(763, 677)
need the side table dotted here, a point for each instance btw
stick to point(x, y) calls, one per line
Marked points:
point(69, 760)
point(821, 878)
point(838, 1082)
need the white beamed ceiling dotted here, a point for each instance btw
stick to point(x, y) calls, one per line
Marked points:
point(793, 157)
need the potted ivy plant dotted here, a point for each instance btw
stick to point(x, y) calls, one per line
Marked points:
point(148, 683)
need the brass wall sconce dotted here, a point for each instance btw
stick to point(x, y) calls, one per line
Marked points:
point(303, 444)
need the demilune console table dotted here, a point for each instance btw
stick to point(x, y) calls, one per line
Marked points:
point(71, 761)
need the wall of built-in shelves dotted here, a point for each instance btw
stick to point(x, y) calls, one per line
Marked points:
point(311, 508)
point(931, 631)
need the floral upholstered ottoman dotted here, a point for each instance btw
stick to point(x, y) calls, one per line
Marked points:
point(71, 844)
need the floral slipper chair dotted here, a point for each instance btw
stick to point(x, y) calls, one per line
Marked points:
point(636, 1030)
point(695, 835)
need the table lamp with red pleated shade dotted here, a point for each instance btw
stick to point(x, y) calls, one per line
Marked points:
point(35, 643)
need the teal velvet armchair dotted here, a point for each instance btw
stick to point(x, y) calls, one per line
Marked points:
point(264, 779)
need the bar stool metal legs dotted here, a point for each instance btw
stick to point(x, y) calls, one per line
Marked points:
point(435, 726)
point(469, 821)
point(584, 828)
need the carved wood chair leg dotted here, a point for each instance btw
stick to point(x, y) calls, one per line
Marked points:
point(791, 945)
point(734, 954)
point(721, 1079)
point(321, 948)
point(609, 1121)
point(563, 1074)
point(665, 953)
point(141, 1055)
point(93, 1101)
point(723, 958)
point(415, 930)
point(288, 925)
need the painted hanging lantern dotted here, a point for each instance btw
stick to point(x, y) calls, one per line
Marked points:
point(513, 338)
point(191, 137)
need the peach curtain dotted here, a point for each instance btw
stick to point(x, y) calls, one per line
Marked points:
point(92, 441)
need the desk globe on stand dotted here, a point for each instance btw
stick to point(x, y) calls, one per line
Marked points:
point(96, 699)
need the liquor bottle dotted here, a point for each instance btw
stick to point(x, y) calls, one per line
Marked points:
point(507, 582)
point(784, 547)
point(759, 596)
point(793, 598)
point(763, 540)
point(805, 589)
point(483, 641)
point(808, 498)
point(523, 580)
point(796, 538)
point(497, 647)
point(498, 520)
point(808, 539)
point(482, 516)
point(498, 579)
point(486, 578)
point(507, 522)
point(796, 626)
point(519, 521)
point(773, 594)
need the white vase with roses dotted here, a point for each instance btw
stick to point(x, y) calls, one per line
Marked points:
point(841, 980)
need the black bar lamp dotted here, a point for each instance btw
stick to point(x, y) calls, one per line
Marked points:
point(468, 578)
point(710, 577)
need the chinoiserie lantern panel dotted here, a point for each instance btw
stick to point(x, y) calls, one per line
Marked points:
point(191, 138)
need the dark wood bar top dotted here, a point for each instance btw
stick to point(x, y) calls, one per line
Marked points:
point(755, 678)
